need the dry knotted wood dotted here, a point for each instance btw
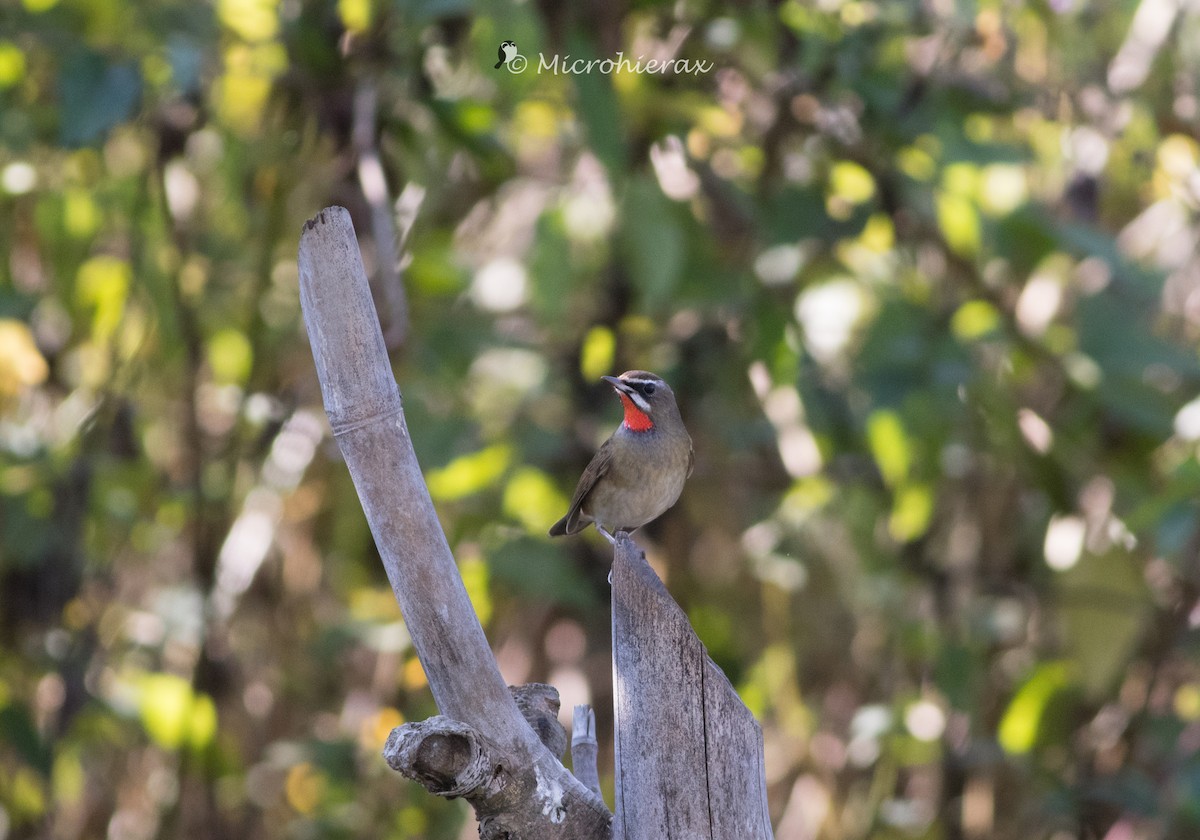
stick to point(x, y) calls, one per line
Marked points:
point(541, 799)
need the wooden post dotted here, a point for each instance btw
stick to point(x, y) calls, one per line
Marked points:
point(482, 749)
point(689, 755)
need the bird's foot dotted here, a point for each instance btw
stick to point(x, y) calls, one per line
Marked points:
point(606, 535)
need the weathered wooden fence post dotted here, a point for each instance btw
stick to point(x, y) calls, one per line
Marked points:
point(689, 755)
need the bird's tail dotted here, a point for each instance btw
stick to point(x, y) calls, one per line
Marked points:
point(570, 524)
point(497, 64)
point(559, 528)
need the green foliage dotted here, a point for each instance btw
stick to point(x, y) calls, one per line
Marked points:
point(923, 275)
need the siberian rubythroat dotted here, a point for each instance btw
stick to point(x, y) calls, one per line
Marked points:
point(638, 472)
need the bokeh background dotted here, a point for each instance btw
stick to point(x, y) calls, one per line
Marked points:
point(924, 276)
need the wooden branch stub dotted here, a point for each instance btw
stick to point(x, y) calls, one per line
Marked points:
point(450, 759)
point(444, 756)
point(355, 386)
point(584, 748)
point(689, 754)
point(539, 705)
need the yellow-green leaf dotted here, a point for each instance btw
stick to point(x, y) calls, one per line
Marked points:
point(102, 284)
point(959, 223)
point(173, 714)
point(889, 445)
point(532, 498)
point(975, 319)
point(596, 355)
point(1026, 713)
point(911, 511)
point(469, 474)
point(230, 356)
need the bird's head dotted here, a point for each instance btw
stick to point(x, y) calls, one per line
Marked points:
point(647, 399)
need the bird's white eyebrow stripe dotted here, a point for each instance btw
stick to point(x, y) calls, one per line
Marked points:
point(640, 402)
point(641, 381)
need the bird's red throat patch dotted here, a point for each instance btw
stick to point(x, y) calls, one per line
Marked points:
point(635, 419)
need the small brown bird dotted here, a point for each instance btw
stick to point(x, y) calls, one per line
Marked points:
point(638, 472)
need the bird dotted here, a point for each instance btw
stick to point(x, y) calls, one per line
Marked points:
point(640, 470)
point(505, 53)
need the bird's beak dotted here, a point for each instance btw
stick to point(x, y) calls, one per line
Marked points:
point(617, 383)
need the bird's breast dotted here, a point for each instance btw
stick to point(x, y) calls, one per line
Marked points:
point(645, 478)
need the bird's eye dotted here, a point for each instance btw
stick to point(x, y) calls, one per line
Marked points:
point(648, 388)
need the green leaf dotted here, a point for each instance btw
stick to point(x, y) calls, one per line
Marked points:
point(889, 445)
point(538, 569)
point(652, 240)
point(96, 95)
point(173, 714)
point(1024, 723)
point(551, 271)
point(599, 110)
point(1102, 607)
point(469, 474)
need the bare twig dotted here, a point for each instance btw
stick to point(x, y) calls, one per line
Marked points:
point(584, 748)
point(371, 178)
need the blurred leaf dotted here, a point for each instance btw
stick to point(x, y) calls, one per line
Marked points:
point(551, 270)
point(68, 778)
point(475, 577)
point(889, 445)
point(911, 512)
point(21, 364)
point(598, 108)
point(1189, 791)
point(1026, 237)
point(1127, 364)
point(652, 241)
point(533, 500)
point(187, 62)
point(25, 794)
point(305, 787)
point(173, 714)
point(19, 733)
point(434, 269)
point(103, 285)
point(959, 222)
point(355, 14)
point(851, 182)
point(253, 20)
point(1102, 608)
point(12, 64)
point(469, 474)
point(1024, 722)
point(956, 674)
point(1130, 790)
point(538, 569)
point(230, 355)
point(96, 95)
point(974, 320)
point(596, 354)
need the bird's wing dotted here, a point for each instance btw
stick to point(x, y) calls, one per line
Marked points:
point(596, 470)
